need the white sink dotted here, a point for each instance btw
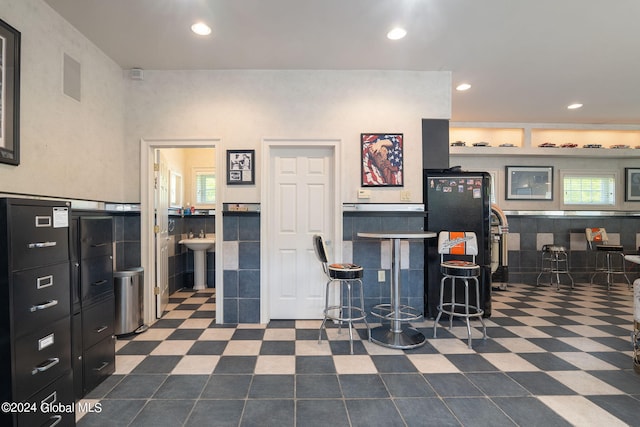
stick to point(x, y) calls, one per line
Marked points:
point(199, 247)
point(197, 244)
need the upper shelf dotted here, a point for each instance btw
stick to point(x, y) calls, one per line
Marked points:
point(526, 139)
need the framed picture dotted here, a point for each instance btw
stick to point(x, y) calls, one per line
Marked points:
point(529, 182)
point(241, 167)
point(9, 94)
point(632, 184)
point(382, 164)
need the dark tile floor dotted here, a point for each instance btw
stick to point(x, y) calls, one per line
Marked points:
point(554, 358)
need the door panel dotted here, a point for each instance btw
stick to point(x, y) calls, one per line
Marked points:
point(162, 233)
point(303, 183)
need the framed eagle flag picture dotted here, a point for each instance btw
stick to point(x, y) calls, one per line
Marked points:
point(382, 163)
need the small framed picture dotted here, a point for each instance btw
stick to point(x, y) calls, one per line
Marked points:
point(241, 167)
point(381, 161)
point(632, 184)
point(529, 182)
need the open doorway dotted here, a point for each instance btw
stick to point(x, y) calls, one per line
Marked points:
point(185, 162)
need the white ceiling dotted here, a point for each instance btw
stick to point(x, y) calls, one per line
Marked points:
point(526, 59)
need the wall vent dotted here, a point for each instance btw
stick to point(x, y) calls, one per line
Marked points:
point(71, 85)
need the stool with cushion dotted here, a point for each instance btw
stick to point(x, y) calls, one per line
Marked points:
point(341, 307)
point(606, 256)
point(555, 262)
point(458, 252)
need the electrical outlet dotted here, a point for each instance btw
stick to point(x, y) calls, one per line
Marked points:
point(405, 195)
point(364, 194)
point(381, 277)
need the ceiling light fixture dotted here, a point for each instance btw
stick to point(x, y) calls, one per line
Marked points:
point(574, 106)
point(463, 86)
point(201, 29)
point(397, 33)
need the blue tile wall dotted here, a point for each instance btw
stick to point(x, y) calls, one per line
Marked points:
point(367, 253)
point(242, 286)
point(525, 259)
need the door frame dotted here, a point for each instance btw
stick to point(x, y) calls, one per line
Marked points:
point(147, 240)
point(266, 195)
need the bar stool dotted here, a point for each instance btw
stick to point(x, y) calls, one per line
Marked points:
point(341, 276)
point(557, 262)
point(605, 256)
point(465, 245)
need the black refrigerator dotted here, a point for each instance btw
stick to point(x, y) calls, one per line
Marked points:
point(457, 201)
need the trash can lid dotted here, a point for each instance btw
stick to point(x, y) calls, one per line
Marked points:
point(133, 271)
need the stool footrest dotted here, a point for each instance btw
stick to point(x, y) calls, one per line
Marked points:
point(406, 313)
point(356, 313)
point(450, 309)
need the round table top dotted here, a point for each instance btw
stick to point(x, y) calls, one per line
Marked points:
point(633, 258)
point(399, 234)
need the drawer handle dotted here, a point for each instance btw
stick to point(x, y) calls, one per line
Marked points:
point(56, 420)
point(44, 306)
point(100, 329)
point(45, 366)
point(104, 365)
point(99, 283)
point(42, 245)
point(98, 245)
point(52, 398)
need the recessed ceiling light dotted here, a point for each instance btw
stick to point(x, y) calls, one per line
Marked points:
point(463, 86)
point(201, 29)
point(396, 33)
point(574, 106)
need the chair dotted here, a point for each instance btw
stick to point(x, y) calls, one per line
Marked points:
point(341, 276)
point(605, 256)
point(555, 262)
point(452, 246)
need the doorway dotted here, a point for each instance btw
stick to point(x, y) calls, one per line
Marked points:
point(154, 282)
point(300, 198)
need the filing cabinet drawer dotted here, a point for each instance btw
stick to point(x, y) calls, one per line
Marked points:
point(96, 236)
point(96, 277)
point(53, 405)
point(99, 362)
point(40, 296)
point(98, 322)
point(39, 235)
point(41, 357)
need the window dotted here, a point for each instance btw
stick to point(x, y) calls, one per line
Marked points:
point(593, 189)
point(204, 187)
point(175, 189)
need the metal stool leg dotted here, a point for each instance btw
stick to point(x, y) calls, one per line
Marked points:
point(484, 327)
point(466, 310)
point(435, 323)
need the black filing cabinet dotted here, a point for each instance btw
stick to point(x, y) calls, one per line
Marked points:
point(93, 301)
point(35, 313)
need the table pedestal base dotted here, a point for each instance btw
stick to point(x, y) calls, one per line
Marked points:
point(407, 339)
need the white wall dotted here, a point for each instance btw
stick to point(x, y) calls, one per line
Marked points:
point(243, 107)
point(67, 148)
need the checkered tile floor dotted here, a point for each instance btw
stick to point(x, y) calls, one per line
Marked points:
point(554, 358)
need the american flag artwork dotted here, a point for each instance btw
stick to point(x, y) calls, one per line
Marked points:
point(382, 159)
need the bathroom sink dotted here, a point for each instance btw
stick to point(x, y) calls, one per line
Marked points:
point(198, 244)
point(199, 247)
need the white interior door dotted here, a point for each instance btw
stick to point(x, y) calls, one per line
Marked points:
point(302, 204)
point(161, 229)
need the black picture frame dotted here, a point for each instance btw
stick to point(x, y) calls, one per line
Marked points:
point(9, 94)
point(632, 184)
point(381, 161)
point(241, 167)
point(529, 182)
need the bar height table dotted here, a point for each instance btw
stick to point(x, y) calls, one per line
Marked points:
point(397, 336)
